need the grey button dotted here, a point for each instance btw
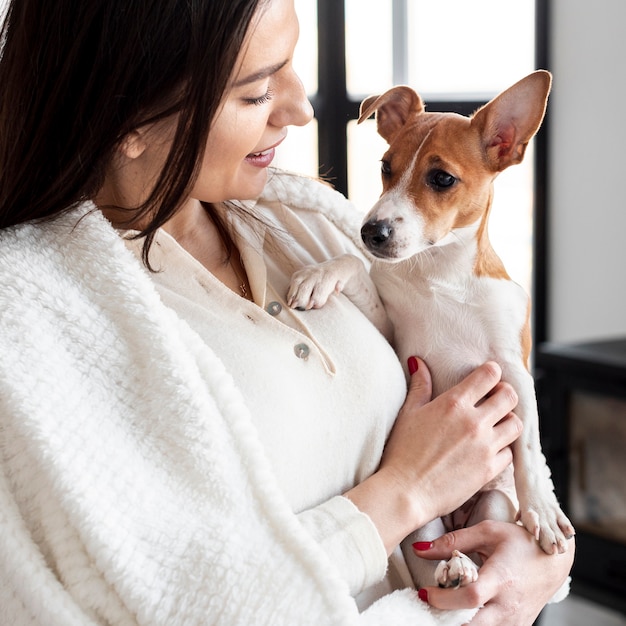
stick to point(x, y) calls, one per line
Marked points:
point(274, 308)
point(301, 350)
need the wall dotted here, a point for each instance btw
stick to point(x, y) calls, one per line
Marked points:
point(587, 171)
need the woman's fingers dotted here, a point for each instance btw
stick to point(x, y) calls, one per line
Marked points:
point(500, 400)
point(507, 430)
point(509, 593)
point(476, 538)
point(481, 387)
point(421, 384)
point(480, 539)
point(480, 382)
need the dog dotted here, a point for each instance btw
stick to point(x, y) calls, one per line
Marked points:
point(445, 293)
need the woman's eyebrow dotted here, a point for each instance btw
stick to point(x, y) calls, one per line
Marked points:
point(260, 75)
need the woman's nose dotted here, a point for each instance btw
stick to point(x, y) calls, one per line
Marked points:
point(294, 108)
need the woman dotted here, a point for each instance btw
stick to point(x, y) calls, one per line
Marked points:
point(177, 446)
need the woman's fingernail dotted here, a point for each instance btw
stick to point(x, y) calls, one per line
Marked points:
point(413, 365)
point(423, 545)
point(422, 594)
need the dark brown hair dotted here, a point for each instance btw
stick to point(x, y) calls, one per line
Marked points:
point(76, 76)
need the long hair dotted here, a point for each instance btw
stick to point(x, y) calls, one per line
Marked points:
point(76, 76)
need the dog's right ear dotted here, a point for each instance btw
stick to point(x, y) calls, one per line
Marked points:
point(510, 120)
point(393, 109)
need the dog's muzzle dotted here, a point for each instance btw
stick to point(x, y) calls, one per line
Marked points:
point(377, 235)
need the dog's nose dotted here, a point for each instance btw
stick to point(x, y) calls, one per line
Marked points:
point(376, 234)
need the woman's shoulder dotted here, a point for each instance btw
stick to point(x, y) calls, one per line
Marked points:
point(74, 251)
point(38, 236)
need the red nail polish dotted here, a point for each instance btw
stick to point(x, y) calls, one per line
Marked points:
point(423, 545)
point(413, 365)
point(422, 594)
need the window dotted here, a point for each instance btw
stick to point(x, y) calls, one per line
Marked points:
point(456, 54)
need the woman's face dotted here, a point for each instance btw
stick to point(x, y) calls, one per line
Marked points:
point(265, 97)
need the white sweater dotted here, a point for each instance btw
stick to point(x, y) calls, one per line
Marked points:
point(137, 482)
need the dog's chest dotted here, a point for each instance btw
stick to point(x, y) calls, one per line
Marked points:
point(454, 325)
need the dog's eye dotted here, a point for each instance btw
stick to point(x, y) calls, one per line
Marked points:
point(385, 168)
point(440, 180)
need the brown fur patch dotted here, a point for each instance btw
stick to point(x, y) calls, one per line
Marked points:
point(527, 342)
point(488, 263)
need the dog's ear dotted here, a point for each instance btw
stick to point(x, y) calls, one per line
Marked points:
point(393, 109)
point(509, 121)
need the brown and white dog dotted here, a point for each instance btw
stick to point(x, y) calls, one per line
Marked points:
point(445, 291)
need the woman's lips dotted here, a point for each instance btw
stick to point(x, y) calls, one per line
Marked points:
point(263, 158)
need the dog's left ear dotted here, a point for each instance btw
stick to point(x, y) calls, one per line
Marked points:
point(509, 121)
point(393, 109)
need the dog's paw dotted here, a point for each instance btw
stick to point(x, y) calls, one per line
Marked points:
point(311, 287)
point(459, 571)
point(547, 523)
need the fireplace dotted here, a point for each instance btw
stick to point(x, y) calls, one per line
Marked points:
point(581, 390)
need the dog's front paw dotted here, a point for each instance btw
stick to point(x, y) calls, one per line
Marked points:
point(547, 523)
point(459, 571)
point(311, 287)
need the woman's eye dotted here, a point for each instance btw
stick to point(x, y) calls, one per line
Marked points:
point(266, 97)
point(441, 180)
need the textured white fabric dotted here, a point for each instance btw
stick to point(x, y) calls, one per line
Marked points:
point(347, 537)
point(134, 488)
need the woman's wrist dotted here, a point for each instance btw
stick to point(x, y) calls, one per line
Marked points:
point(393, 509)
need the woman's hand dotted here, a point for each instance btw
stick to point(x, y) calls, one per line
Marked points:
point(517, 578)
point(440, 452)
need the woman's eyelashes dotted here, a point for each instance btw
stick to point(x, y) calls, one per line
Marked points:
point(266, 97)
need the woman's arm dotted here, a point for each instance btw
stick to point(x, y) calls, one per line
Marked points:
point(516, 580)
point(439, 452)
